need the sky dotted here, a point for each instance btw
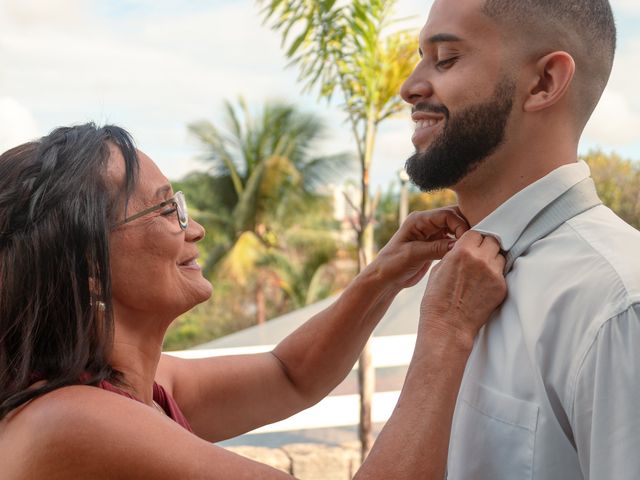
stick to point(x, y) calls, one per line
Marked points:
point(154, 66)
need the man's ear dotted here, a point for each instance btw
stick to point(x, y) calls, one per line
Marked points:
point(554, 73)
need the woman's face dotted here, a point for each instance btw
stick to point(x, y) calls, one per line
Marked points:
point(153, 261)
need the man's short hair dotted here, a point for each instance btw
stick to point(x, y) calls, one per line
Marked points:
point(583, 28)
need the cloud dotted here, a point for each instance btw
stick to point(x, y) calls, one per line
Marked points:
point(153, 71)
point(17, 125)
point(614, 122)
point(30, 12)
point(156, 65)
point(626, 6)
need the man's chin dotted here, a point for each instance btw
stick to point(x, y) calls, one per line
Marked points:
point(430, 174)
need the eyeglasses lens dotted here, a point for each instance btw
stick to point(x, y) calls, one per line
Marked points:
point(183, 216)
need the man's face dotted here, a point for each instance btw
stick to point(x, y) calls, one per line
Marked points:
point(461, 98)
point(466, 139)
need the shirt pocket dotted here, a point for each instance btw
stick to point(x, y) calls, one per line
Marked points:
point(494, 436)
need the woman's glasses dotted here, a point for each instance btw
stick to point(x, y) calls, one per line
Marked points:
point(180, 207)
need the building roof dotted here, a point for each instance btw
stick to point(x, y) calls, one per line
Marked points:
point(400, 319)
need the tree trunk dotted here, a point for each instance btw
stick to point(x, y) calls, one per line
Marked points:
point(366, 382)
point(261, 308)
point(366, 372)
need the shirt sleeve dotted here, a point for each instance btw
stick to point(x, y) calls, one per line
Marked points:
point(606, 405)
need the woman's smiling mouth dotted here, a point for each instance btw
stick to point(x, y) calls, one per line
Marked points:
point(190, 264)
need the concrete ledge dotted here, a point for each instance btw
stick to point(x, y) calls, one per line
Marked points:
point(306, 461)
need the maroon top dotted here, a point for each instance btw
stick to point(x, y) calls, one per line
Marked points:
point(160, 396)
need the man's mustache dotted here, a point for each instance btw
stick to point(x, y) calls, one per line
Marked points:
point(430, 108)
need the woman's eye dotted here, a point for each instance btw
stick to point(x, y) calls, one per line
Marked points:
point(447, 63)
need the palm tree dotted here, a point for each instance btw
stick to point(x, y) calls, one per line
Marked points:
point(265, 170)
point(305, 266)
point(342, 47)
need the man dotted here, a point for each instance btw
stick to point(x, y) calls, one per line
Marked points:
point(500, 98)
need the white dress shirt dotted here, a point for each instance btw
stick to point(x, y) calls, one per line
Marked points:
point(552, 387)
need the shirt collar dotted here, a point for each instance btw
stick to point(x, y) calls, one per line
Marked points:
point(507, 222)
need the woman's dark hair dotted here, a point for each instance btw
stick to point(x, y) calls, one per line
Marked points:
point(56, 314)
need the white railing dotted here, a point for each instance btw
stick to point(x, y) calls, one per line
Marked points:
point(334, 410)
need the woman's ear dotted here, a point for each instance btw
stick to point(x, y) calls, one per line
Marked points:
point(554, 73)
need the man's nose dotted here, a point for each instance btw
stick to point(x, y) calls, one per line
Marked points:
point(417, 87)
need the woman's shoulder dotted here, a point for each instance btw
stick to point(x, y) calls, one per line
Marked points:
point(47, 429)
point(59, 408)
point(70, 431)
point(87, 432)
point(64, 407)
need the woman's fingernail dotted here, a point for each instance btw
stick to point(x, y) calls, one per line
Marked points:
point(451, 244)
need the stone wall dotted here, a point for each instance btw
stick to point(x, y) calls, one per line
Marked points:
point(307, 461)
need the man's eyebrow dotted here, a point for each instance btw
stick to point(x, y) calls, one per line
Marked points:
point(444, 37)
point(441, 38)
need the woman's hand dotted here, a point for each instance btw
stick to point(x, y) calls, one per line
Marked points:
point(463, 290)
point(422, 238)
point(465, 287)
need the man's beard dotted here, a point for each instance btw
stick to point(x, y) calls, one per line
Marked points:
point(467, 138)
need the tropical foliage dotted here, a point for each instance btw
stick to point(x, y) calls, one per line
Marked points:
point(264, 168)
point(618, 184)
point(270, 233)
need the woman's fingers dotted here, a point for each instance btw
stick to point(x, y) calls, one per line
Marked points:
point(431, 250)
point(422, 225)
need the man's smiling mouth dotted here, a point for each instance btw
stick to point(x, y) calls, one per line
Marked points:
point(425, 126)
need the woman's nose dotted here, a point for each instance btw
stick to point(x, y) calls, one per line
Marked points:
point(195, 232)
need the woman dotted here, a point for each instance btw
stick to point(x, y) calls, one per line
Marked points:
point(98, 257)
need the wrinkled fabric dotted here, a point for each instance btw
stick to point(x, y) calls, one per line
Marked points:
point(552, 387)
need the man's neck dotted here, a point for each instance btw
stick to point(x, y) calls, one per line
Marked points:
point(499, 178)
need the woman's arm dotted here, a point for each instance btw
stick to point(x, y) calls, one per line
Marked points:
point(85, 432)
point(219, 395)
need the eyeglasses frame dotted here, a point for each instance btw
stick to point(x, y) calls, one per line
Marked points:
point(180, 205)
